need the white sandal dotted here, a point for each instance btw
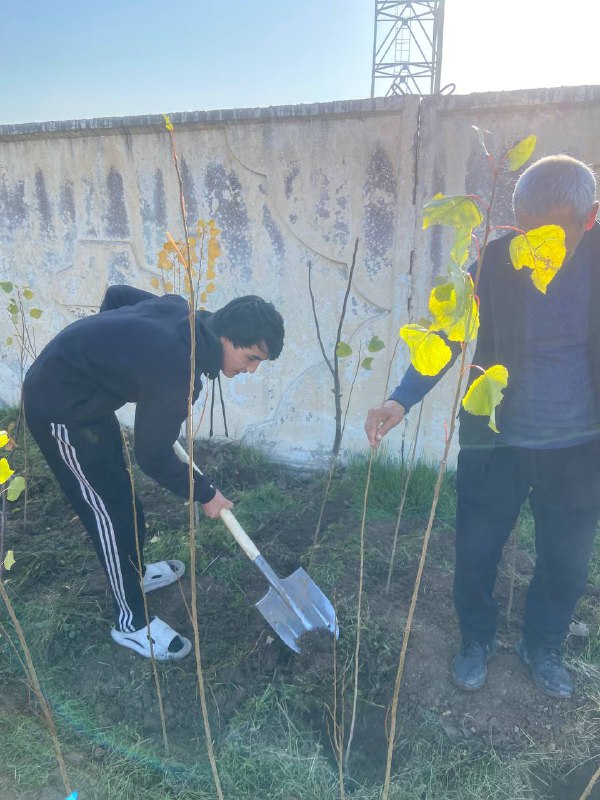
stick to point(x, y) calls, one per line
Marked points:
point(164, 639)
point(162, 573)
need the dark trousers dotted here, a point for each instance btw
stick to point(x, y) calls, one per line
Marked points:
point(89, 464)
point(563, 486)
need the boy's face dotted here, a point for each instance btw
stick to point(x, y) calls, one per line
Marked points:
point(241, 359)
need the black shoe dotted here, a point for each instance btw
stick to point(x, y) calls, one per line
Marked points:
point(469, 666)
point(546, 667)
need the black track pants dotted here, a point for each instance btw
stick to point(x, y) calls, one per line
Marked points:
point(563, 486)
point(89, 464)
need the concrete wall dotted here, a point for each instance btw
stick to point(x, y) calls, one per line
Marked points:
point(87, 203)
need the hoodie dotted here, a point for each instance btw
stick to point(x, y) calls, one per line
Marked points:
point(135, 350)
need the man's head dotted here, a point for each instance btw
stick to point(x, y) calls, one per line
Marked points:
point(557, 190)
point(251, 330)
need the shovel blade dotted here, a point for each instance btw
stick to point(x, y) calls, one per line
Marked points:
point(301, 607)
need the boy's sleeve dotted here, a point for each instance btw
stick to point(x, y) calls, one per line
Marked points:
point(122, 295)
point(158, 419)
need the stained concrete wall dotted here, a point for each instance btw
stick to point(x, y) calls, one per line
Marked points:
point(87, 203)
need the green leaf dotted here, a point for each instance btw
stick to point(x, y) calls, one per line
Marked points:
point(9, 340)
point(343, 350)
point(457, 212)
point(36, 313)
point(461, 246)
point(542, 250)
point(13, 308)
point(9, 560)
point(429, 353)
point(27, 294)
point(16, 486)
point(367, 363)
point(6, 286)
point(375, 345)
point(485, 394)
point(521, 152)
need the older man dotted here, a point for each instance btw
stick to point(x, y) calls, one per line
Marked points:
point(548, 448)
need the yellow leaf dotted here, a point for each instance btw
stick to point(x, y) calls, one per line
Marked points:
point(168, 287)
point(155, 283)
point(9, 340)
point(27, 294)
point(5, 471)
point(36, 313)
point(521, 152)
point(4, 438)
point(9, 560)
point(203, 297)
point(485, 394)
point(542, 250)
point(429, 353)
point(455, 313)
point(210, 287)
point(210, 274)
point(457, 212)
point(168, 123)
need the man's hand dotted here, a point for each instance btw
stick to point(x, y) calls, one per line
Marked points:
point(213, 508)
point(382, 419)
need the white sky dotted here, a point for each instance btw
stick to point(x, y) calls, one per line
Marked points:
point(75, 58)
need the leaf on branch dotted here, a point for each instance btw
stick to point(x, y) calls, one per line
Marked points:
point(461, 246)
point(27, 294)
point(485, 394)
point(155, 283)
point(457, 211)
point(5, 471)
point(521, 152)
point(429, 353)
point(542, 250)
point(9, 560)
point(168, 287)
point(367, 363)
point(15, 488)
point(375, 345)
point(9, 340)
point(4, 438)
point(36, 313)
point(454, 309)
point(168, 123)
point(13, 308)
point(343, 350)
point(6, 286)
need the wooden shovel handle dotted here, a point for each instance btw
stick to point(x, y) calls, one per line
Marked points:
point(236, 530)
point(240, 535)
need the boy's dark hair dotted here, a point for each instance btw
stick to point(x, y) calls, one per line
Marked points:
point(248, 321)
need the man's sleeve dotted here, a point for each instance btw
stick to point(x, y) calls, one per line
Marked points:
point(122, 295)
point(158, 420)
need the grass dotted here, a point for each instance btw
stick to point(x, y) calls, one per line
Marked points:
point(274, 745)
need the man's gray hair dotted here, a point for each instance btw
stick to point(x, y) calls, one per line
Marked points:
point(555, 182)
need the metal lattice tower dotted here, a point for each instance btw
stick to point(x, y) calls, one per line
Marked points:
point(407, 47)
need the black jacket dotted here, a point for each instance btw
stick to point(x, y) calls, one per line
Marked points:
point(136, 350)
point(500, 337)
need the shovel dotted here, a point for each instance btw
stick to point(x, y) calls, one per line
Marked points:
point(292, 606)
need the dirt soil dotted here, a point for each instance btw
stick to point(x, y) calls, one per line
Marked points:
point(242, 656)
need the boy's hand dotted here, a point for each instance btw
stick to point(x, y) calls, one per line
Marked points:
point(213, 508)
point(382, 419)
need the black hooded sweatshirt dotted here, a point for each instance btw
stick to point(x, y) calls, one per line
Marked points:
point(136, 350)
